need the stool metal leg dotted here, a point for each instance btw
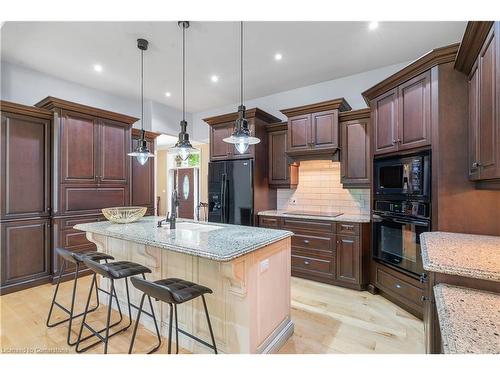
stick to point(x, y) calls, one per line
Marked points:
point(108, 319)
point(63, 266)
point(170, 329)
point(68, 339)
point(209, 324)
point(176, 331)
point(85, 314)
point(136, 324)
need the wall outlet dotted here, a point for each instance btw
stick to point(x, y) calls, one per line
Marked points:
point(264, 265)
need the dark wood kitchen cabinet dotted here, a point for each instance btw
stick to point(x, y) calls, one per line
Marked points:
point(283, 173)
point(142, 177)
point(25, 200)
point(313, 130)
point(25, 252)
point(479, 59)
point(355, 159)
point(326, 251)
point(402, 116)
point(24, 162)
point(222, 127)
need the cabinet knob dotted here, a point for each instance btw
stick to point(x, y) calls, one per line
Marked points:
point(476, 165)
point(306, 262)
point(306, 241)
point(398, 286)
point(394, 141)
point(423, 278)
point(424, 298)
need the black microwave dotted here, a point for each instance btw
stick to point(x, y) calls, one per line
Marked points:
point(408, 175)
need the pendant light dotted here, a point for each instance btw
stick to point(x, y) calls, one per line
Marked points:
point(142, 153)
point(183, 147)
point(241, 137)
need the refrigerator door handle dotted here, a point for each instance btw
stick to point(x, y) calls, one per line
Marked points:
point(226, 200)
point(222, 198)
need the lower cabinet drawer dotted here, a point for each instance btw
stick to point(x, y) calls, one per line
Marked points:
point(268, 222)
point(308, 241)
point(395, 285)
point(312, 264)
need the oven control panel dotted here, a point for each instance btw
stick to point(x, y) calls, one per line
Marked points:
point(407, 208)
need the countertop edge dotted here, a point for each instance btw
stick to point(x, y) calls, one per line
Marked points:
point(349, 218)
point(443, 314)
point(186, 250)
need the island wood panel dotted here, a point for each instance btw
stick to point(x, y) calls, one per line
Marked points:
point(25, 166)
point(250, 305)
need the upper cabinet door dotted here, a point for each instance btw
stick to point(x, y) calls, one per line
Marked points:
point(299, 133)
point(488, 137)
point(356, 157)
point(114, 138)
point(384, 115)
point(325, 129)
point(473, 124)
point(79, 134)
point(220, 150)
point(25, 155)
point(414, 122)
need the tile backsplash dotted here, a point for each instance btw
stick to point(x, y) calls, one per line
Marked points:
point(320, 190)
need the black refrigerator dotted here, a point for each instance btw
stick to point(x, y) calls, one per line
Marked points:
point(230, 192)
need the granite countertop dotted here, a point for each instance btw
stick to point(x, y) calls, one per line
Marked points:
point(220, 242)
point(461, 254)
point(469, 320)
point(344, 217)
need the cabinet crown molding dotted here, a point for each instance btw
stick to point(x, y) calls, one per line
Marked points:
point(277, 126)
point(339, 103)
point(432, 58)
point(136, 133)
point(355, 115)
point(250, 113)
point(54, 104)
point(6, 106)
point(474, 36)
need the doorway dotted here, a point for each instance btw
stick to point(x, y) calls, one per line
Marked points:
point(185, 184)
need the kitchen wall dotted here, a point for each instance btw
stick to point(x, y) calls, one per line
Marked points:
point(27, 86)
point(320, 190)
point(349, 87)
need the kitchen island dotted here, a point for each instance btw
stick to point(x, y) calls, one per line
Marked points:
point(247, 268)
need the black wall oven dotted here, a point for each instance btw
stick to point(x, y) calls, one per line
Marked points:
point(401, 210)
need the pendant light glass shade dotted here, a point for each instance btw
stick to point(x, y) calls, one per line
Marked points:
point(241, 137)
point(141, 152)
point(183, 147)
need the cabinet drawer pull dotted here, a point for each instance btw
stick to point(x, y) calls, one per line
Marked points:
point(424, 298)
point(306, 262)
point(423, 278)
point(398, 286)
point(347, 226)
point(306, 241)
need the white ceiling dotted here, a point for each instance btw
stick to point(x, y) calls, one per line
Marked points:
point(312, 52)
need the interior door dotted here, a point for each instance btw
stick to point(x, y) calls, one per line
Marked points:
point(385, 122)
point(240, 192)
point(79, 134)
point(414, 123)
point(113, 149)
point(185, 190)
point(25, 158)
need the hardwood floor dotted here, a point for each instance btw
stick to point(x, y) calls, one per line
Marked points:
point(328, 319)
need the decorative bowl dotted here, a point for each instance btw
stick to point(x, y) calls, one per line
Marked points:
point(124, 215)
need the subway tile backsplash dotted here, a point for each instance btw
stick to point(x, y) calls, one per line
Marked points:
point(320, 190)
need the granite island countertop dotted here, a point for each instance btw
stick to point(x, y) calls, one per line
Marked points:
point(353, 218)
point(467, 255)
point(469, 320)
point(219, 242)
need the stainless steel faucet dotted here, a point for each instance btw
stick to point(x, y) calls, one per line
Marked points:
point(174, 203)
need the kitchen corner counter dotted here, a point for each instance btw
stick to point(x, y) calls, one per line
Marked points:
point(467, 255)
point(469, 320)
point(220, 242)
point(351, 218)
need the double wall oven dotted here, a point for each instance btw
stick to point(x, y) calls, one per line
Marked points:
point(401, 209)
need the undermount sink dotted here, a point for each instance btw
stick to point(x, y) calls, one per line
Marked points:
point(195, 227)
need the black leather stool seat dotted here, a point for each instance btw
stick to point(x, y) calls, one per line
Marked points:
point(119, 270)
point(96, 256)
point(182, 290)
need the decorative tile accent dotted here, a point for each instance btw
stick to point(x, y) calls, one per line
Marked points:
point(320, 190)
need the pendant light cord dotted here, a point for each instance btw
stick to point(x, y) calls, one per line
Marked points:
point(142, 91)
point(241, 62)
point(183, 72)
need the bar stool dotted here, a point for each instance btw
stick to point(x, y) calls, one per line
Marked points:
point(77, 260)
point(174, 292)
point(113, 271)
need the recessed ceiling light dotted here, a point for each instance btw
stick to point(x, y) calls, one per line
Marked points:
point(168, 95)
point(278, 56)
point(214, 78)
point(98, 68)
point(373, 25)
